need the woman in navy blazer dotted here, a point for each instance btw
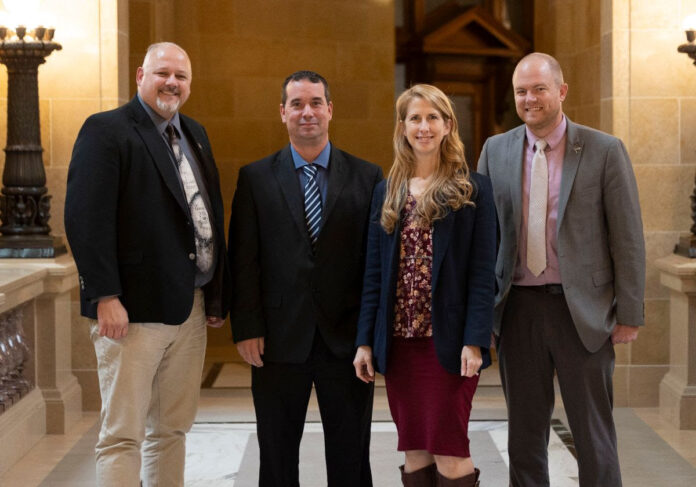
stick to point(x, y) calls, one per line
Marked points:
point(427, 305)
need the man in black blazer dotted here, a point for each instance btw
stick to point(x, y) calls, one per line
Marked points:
point(297, 248)
point(144, 218)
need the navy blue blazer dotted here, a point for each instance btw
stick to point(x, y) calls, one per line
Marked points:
point(463, 280)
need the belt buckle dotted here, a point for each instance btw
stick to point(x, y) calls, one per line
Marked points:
point(553, 288)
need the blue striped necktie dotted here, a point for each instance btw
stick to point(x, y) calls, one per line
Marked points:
point(312, 200)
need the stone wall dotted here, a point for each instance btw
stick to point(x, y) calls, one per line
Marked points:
point(626, 78)
point(242, 51)
point(90, 74)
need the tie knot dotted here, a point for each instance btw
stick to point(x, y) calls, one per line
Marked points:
point(310, 170)
point(171, 133)
point(540, 144)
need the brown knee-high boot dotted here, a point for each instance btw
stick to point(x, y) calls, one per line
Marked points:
point(424, 477)
point(470, 480)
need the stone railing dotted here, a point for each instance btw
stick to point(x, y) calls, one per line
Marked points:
point(14, 355)
point(678, 387)
point(38, 392)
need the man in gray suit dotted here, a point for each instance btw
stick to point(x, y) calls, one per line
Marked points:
point(570, 274)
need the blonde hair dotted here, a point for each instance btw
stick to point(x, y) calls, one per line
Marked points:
point(450, 187)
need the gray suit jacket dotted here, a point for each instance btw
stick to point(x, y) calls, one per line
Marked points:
point(601, 251)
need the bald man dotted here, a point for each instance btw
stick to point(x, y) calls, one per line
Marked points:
point(144, 218)
point(570, 273)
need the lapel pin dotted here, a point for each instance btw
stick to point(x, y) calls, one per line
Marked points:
point(577, 149)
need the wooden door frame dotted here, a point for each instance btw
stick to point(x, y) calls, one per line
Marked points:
point(478, 91)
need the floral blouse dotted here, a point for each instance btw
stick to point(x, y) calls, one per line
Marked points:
point(413, 288)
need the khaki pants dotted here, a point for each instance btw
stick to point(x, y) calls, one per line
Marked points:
point(150, 384)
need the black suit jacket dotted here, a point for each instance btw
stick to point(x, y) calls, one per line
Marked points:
point(128, 222)
point(463, 280)
point(283, 291)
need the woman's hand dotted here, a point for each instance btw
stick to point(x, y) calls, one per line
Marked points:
point(471, 360)
point(363, 364)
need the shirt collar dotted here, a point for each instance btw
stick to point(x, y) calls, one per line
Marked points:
point(553, 139)
point(321, 160)
point(161, 123)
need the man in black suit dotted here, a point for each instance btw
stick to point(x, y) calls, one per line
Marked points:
point(144, 218)
point(297, 246)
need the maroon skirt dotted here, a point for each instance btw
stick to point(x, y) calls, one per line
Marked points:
point(430, 406)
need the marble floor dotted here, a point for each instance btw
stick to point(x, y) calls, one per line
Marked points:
point(222, 449)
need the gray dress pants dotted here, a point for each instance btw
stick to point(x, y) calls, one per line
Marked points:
point(538, 338)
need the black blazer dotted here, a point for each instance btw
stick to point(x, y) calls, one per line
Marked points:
point(284, 292)
point(463, 280)
point(128, 223)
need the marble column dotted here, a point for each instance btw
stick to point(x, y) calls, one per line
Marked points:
point(60, 388)
point(678, 387)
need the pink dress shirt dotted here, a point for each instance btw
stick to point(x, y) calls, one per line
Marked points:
point(555, 151)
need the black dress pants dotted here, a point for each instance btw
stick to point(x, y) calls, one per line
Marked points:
point(538, 338)
point(281, 394)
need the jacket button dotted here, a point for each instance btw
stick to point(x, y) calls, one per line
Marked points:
point(192, 256)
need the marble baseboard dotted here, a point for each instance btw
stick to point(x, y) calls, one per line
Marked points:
point(63, 407)
point(678, 402)
point(21, 427)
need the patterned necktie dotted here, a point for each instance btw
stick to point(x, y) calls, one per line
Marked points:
point(203, 231)
point(538, 199)
point(312, 200)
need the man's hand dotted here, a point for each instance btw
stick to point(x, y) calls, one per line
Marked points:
point(112, 318)
point(214, 321)
point(251, 351)
point(363, 364)
point(624, 334)
point(471, 360)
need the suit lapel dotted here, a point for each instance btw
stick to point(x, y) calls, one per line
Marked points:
point(571, 161)
point(206, 164)
point(284, 172)
point(337, 180)
point(515, 167)
point(441, 237)
point(160, 153)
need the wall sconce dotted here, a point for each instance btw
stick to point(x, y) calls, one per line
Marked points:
point(687, 243)
point(689, 48)
point(24, 204)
